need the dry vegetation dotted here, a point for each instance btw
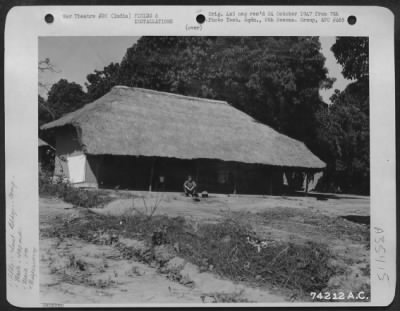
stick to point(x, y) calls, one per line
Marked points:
point(240, 247)
point(63, 190)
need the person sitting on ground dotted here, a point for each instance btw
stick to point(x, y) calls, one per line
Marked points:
point(189, 187)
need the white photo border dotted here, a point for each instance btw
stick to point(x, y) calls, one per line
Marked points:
point(24, 25)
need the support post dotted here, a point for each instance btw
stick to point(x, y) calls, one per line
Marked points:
point(151, 175)
point(306, 187)
point(197, 170)
point(271, 180)
point(98, 164)
point(235, 176)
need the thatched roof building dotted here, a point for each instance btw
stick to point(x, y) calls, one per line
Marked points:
point(134, 121)
point(146, 123)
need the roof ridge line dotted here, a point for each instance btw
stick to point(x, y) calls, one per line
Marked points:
point(170, 94)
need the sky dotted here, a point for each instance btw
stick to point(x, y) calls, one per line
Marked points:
point(334, 69)
point(75, 57)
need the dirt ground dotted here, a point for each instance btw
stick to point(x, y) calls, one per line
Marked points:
point(176, 204)
point(130, 281)
point(75, 271)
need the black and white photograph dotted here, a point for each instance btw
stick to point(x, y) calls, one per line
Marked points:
point(204, 169)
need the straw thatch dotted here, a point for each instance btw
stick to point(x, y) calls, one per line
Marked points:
point(134, 121)
point(42, 143)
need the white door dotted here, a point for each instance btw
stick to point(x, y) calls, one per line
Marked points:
point(76, 168)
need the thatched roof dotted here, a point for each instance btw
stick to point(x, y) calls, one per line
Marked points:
point(42, 143)
point(134, 121)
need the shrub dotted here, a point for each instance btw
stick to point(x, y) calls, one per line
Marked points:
point(85, 198)
point(57, 187)
point(52, 186)
point(225, 246)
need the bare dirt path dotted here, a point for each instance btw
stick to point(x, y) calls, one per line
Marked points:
point(105, 278)
point(216, 205)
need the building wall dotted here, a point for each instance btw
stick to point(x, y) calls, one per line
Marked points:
point(141, 173)
point(138, 173)
point(91, 168)
point(67, 145)
point(238, 178)
point(122, 172)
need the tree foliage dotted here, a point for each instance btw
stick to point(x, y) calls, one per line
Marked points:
point(352, 53)
point(274, 79)
point(45, 113)
point(64, 97)
point(101, 81)
point(343, 129)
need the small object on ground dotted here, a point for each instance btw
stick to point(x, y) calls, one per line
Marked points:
point(293, 298)
point(204, 194)
point(159, 238)
point(226, 239)
point(81, 265)
point(136, 271)
point(176, 247)
point(208, 299)
point(197, 199)
point(114, 238)
point(156, 238)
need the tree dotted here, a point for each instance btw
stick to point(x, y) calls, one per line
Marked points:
point(274, 79)
point(101, 81)
point(343, 127)
point(352, 53)
point(344, 131)
point(65, 97)
point(46, 114)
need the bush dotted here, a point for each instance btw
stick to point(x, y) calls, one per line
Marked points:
point(85, 198)
point(225, 246)
point(57, 187)
point(52, 187)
